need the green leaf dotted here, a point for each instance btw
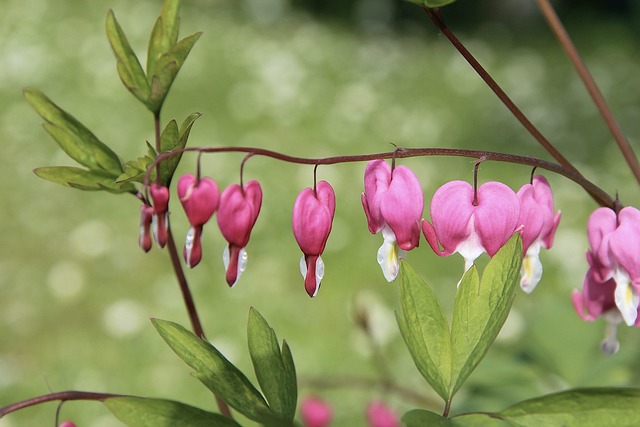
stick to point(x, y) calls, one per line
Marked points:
point(593, 407)
point(216, 372)
point(141, 412)
point(165, 33)
point(274, 369)
point(135, 170)
point(172, 142)
point(480, 309)
point(432, 3)
point(166, 69)
point(422, 418)
point(129, 68)
point(82, 179)
point(73, 137)
point(425, 330)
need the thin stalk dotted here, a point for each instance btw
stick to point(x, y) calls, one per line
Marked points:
point(565, 41)
point(61, 396)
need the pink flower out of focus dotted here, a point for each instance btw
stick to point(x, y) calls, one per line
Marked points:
point(315, 412)
point(237, 214)
point(393, 204)
point(312, 219)
point(379, 415)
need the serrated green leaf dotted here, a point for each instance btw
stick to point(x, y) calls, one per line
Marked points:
point(129, 68)
point(142, 412)
point(82, 179)
point(274, 369)
point(481, 308)
point(593, 407)
point(166, 68)
point(136, 170)
point(216, 372)
point(432, 3)
point(73, 137)
point(164, 35)
point(425, 330)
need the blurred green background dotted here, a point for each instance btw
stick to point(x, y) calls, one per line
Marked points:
point(312, 80)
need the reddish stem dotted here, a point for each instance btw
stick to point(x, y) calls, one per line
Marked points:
point(62, 396)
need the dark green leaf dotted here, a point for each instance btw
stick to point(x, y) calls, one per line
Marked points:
point(73, 137)
point(166, 69)
point(168, 141)
point(594, 407)
point(129, 67)
point(432, 3)
point(82, 179)
point(422, 418)
point(274, 369)
point(216, 372)
point(165, 33)
point(425, 330)
point(141, 412)
point(169, 165)
point(481, 309)
point(479, 420)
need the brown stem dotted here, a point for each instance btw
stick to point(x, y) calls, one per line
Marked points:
point(599, 195)
point(565, 41)
point(62, 396)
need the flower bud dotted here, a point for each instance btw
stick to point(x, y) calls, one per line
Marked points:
point(160, 197)
point(315, 412)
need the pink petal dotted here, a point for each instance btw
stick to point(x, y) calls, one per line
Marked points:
point(379, 415)
point(625, 242)
point(315, 412)
point(601, 224)
point(199, 198)
point(596, 297)
point(544, 197)
point(496, 215)
point(401, 207)
point(312, 218)
point(531, 216)
point(451, 211)
point(238, 212)
point(377, 177)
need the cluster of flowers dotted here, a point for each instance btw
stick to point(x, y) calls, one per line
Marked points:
point(316, 412)
point(611, 287)
point(464, 220)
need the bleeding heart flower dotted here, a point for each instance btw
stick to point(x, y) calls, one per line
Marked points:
point(312, 218)
point(379, 415)
point(199, 198)
point(315, 412)
point(237, 214)
point(393, 203)
point(146, 218)
point(160, 197)
point(539, 227)
point(470, 223)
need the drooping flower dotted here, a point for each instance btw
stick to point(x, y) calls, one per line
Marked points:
point(469, 223)
point(312, 219)
point(146, 218)
point(379, 415)
point(393, 203)
point(68, 424)
point(237, 214)
point(199, 198)
point(539, 227)
point(160, 197)
point(315, 412)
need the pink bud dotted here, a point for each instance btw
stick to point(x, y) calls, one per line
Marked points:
point(146, 217)
point(237, 214)
point(312, 218)
point(379, 415)
point(160, 197)
point(315, 412)
point(67, 424)
point(200, 199)
point(460, 224)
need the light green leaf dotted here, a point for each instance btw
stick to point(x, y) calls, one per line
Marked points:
point(141, 412)
point(216, 372)
point(274, 369)
point(166, 69)
point(432, 3)
point(73, 137)
point(425, 330)
point(480, 309)
point(593, 407)
point(129, 68)
point(82, 179)
point(165, 33)
point(135, 170)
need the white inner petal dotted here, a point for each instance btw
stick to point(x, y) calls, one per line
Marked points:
point(531, 269)
point(225, 258)
point(626, 297)
point(303, 266)
point(388, 258)
point(188, 245)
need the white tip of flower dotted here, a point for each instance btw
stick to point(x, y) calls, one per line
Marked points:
point(188, 245)
point(610, 344)
point(389, 256)
point(626, 298)
point(531, 272)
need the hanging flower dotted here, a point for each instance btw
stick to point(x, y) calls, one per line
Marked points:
point(539, 228)
point(315, 412)
point(393, 204)
point(471, 223)
point(379, 415)
point(312, 218)
point(146, 218)
point(237, 214)
point(199, 198)
point(612, 284)
point(160, 197)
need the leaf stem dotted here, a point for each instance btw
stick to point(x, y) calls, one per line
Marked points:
point(565, 41)
point(62, 396)
point(447, 408)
